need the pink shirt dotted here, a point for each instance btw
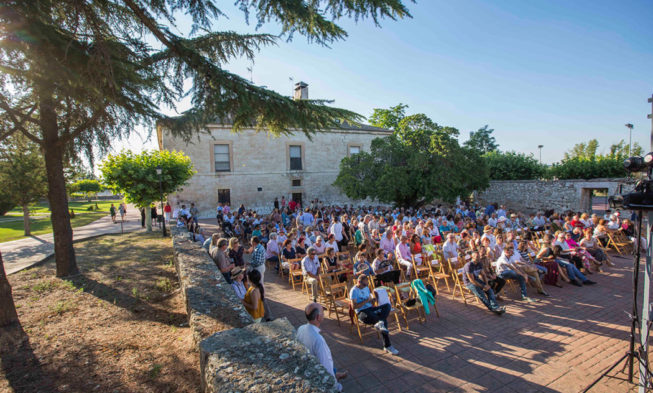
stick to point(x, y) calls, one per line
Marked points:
point(403, 251)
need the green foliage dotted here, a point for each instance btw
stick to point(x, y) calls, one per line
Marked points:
point(419, 162)
point(583, 150)
point(135, 174)
point(86, 186)
point(513, 166)
point(583, 168)
point(620, 149)
point(482, 140)
point(22, 171)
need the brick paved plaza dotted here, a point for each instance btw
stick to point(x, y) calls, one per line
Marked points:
point(560, 344)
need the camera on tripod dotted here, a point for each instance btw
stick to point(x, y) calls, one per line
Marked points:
point(642, 196)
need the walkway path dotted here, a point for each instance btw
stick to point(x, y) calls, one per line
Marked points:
point(21, 254)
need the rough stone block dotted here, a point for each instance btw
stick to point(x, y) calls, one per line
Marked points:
point(261, 358)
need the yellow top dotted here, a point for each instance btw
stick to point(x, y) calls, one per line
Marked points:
point(260, 310)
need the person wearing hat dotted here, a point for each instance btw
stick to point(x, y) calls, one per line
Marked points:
point(487, 233)
point(237, 276)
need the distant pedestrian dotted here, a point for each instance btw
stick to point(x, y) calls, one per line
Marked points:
point(123, 211)
point(167, 209)
point(112, 210)
point(142, 209)
point(194, 213)
point(276, 203)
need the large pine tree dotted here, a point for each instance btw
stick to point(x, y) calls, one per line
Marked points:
point(81, 73)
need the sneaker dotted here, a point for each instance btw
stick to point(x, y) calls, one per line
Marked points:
point(545, 294)
point(576, 283)
point(589, 282)
point(499, 310)
point(391, 350)
point(528, 299)
point(381, 327)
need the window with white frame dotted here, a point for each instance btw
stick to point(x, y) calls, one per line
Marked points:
point(221, 157)
point(295, 152)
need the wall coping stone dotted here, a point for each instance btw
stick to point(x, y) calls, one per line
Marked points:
point(607, 179)
point(262, 357)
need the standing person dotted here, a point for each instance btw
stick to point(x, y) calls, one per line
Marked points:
point(258, 257)
point(167, 210)
point(283, 202)
point(361, 302)
point(276, 203)
point(142, 209)
point(235, 252)
point(154, 214)
point(194, 213)
point(123, 211)
point(309, 335)
point(112, 210)
point(255, 296)
point(336, 231)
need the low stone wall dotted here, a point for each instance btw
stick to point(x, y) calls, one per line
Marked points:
point(560, 195)
point(211, 303)
point(237, 355)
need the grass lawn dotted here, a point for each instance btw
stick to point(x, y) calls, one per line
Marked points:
point(119, 326)
point(13, 230)
point(77, 206)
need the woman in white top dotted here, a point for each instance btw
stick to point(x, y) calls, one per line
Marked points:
point(319, 245)
point(331, 243)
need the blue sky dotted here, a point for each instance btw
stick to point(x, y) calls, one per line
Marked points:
point(553, 73)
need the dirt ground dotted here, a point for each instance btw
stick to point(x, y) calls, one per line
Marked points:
point(119, 326)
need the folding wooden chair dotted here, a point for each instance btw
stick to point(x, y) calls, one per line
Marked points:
point(295, 274)
point(455, 269)
point(421, 271)
point(404, 293)
point(436, 271)
point(620, 242)
point(335, 295)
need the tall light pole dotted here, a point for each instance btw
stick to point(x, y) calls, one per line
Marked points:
point(159, 172)
point(540, 147)
point(630, 137)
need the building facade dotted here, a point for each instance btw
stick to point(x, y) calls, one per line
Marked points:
point(254, 168)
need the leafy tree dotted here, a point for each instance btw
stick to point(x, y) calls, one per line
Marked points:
point(482, 140)
point(388, 118)
point(419, 162)
point(583, 150)
point(513, 166)
point(620, 149)
point(135, 175)
point(22, 174)
point(87, 186)
point(84, 73)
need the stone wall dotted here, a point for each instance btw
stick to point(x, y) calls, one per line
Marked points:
point(560, 195)
point(260, 167)
point(237, 355)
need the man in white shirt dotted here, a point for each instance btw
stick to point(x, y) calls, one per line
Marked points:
point(502, 211)
point(450, 248)
point(387, 244)
point(309, 335)
point(336, 230)
point(307, 218)
point(539, 222)
point(506, 269)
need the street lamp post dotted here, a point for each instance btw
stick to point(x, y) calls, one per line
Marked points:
point(630, 137)
point(540, 147)
point(159, 171)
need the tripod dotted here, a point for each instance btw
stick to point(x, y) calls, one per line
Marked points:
point(642, 352)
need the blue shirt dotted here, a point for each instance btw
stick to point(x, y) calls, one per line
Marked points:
point(363, 267)
point(358, 295)
point(258, 256)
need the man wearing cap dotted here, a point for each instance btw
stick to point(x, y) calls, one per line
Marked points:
point(309, 335)
point(310, 265)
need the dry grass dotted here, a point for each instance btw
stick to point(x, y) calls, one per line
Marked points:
point(120, 326)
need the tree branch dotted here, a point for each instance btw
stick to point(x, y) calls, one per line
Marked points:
point(16, 114)
point(18, 126)
point(68, 136)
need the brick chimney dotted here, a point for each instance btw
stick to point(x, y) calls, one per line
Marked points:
point(301, 91)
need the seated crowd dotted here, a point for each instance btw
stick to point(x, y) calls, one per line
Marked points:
point(479, 249)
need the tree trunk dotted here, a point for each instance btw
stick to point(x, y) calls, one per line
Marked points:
point(8, 313)
point(26, 225)
point(148, 218)
point(57, 196)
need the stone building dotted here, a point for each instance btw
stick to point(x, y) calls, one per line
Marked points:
point(254, 168)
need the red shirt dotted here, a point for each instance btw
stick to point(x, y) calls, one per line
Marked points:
point(577, 223)
point(167, 208)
